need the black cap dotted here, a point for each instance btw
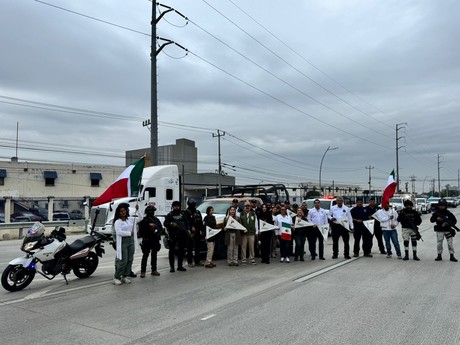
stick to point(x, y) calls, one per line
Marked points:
point(408, 203)
point(176, 203)
point(150, 209)
point(442, 202)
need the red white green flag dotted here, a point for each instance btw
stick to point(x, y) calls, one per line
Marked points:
point(390, 189)
point(126, 185)
point(285, 231)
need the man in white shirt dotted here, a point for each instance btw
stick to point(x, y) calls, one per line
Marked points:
point(388, 219)
point(337, 214)
point(316, 216)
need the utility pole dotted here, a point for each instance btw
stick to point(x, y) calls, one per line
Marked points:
point(370, 168)
point(219, 170)
point(153, 80)
point(398, 127)
point(153, 91)
point(412, 180)
point(439, 175)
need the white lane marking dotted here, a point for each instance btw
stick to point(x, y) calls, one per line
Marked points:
point(37, 294)
point(322, 271)
point(207, 317)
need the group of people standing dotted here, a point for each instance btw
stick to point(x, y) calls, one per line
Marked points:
point(186, 229)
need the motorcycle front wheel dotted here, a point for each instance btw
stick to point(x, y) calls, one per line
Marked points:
point(17, 277)
point(83, 268)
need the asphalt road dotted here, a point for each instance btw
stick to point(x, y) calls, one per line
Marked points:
point(359, 301)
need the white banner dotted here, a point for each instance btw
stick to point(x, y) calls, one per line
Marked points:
point(264, 226)
point(369, 225)
point(344, 222)
point(233, 224)
point(290, 213)
point(324, 229)
point(210, 232)
point(300, 223)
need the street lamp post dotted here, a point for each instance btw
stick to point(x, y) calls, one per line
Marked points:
point(321, 164)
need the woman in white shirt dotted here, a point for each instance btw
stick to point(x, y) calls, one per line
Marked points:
point(126, 236)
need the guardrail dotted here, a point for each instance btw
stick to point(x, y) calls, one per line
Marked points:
point(27, 225)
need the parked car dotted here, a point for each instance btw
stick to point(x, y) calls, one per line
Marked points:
point(451, 202)
point(421, 205)
point(23, 219)
point(397, 203)
point(76, 214)
point(432, 203)
point(29, 216)
point(326, 203)
point(41, 212)
point(61, 216)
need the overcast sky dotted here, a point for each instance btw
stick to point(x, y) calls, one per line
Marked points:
point(284, 81)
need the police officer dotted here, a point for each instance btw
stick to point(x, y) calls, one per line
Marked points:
point(150, 230)
point(410, 220)
point(177, 224)
point(197, 230)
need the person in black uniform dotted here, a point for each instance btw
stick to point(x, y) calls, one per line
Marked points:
point(445, 221)
point(378, 234)
point(150, 230)
point(410, 220)
point(177, 224)
point(197, 232)
point(359, 214)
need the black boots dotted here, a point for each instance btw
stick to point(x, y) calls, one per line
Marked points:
point(406, 257)
point(452, 258)
point(415, 256)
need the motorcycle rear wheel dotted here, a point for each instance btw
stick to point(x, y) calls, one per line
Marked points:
point(17, 277)
point(83, 268)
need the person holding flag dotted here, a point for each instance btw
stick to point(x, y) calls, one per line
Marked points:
point(265, 215)
point(371, 209)
point(359, 215)
point(284, 223)
point(388, 219)
point(318, 217)
point(300, 236)
point(210, 221)
point(342, 224)
point(233, 237)
point(126, 232)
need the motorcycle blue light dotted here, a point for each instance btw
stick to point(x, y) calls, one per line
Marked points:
point(32, 266)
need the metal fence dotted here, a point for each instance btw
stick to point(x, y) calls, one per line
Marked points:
point(22, 226)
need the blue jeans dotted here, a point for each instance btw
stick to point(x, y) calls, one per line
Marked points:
point(393, 235)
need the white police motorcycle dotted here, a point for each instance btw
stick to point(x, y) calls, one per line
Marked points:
point(53, 256)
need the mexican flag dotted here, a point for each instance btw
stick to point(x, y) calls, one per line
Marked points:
point(389, 189)
point(285, 231)
point(127, 184)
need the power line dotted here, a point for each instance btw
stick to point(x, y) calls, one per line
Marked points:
point(93, 18)
point(287, 83)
